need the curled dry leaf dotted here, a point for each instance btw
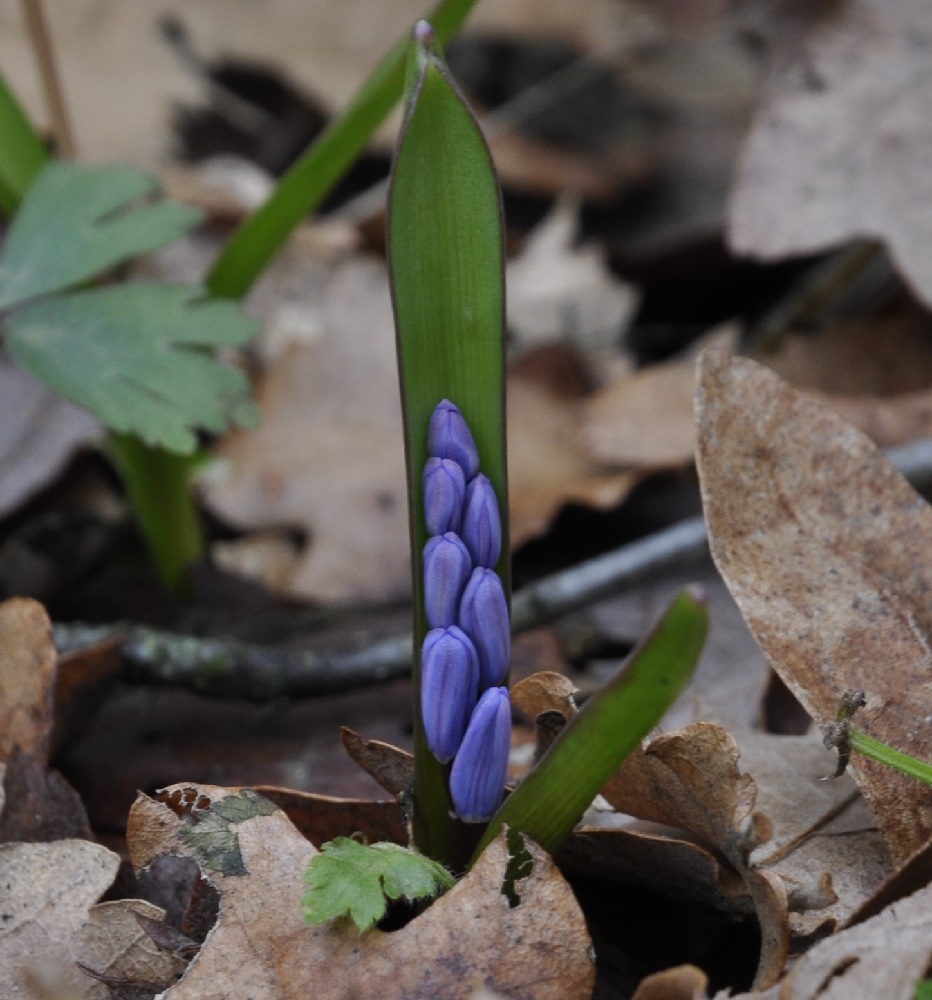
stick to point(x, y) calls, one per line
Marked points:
point(884, 957)
point(545, 691)
point(827, 550)
point(690, 780)
point(470, 937)
point(836, 147)
point(822, 845)
point(390, 766)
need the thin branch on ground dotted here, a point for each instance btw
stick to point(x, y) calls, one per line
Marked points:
point(229, 668)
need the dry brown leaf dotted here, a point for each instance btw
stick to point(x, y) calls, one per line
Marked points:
point(882, 958)
point(545, 691)
point(27, 679)
point(691, 780)
point(39, 434)
point(38, 804)
point(48, 890)
point(113, 945)
point(685, 982)
point(391, 767)
point(837, 148)
point(547, 467)
point(320, 818)
point(825, 547)
point(328, 456)
point(644, 419)
point(254, 857)
point(557, 291)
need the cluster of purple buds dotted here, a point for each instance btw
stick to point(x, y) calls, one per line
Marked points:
point(464, 659)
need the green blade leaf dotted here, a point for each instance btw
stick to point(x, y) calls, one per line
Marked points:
point(76, 221)
point(22, 152)
point(446, 262)
point(306, 184)
point(135, 356)
point(349, 879)
point(549, 802)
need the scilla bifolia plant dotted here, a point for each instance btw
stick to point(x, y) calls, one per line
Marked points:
point(139, 356)
point(446, 266)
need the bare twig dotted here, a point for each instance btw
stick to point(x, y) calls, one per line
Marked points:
point(41, 39)
point(228, 668)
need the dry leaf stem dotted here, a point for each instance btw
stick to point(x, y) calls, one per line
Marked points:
point(230, 668)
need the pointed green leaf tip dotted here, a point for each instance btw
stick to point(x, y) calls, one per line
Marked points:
point(446, 261)
point(349, 879)
point(552, 798)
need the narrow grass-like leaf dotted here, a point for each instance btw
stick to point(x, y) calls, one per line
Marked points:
point(550, 801)
point(134, 356)
point(446, 264)
point(22, 152)
point(309, 180)
point(885, 754)
point(349, 879)
point(77, 221)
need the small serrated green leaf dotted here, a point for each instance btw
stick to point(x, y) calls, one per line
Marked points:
point(349, 879)
point(552, 798)
point(77, 221)
point(134, 355)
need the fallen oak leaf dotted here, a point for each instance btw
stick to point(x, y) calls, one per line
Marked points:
point(824, 546)
point(470, 937)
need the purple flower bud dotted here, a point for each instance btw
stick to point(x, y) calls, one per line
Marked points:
point(444, 490)
point(449, 687)
point(480, 766)
point(482, 527)
point(447, 565)
point(449, 437)
point(483, 616)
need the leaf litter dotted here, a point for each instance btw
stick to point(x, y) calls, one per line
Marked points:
point(471, 936)
point(820, 540)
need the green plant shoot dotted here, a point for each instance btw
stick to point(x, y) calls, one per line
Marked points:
point(446, 261)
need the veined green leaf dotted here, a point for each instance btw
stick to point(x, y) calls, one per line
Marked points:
point(550, 801)
point(134, 356)
point(446, 263)
point(22, 152)
point(349, 879)
point(76, 221)
point(306, 184)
